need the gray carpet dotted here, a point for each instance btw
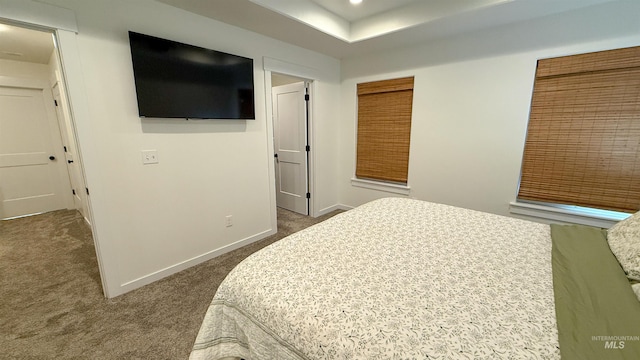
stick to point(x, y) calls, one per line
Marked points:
point(51, 302)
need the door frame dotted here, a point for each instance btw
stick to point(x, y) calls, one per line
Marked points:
point(62, 23)
point(309, 75)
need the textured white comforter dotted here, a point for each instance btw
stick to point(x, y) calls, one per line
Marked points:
point(392, 279)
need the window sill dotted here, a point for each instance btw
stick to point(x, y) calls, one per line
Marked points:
point(569, 214)
point(381, 186)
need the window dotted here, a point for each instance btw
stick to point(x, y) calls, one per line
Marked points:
point(384, 129)
point(583, 137)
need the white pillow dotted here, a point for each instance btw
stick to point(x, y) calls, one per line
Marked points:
point(636, 289)
point(624, 241)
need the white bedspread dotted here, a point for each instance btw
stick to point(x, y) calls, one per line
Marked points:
point(392, 279)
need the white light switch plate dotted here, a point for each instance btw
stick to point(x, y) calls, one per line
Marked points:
point(150, 157)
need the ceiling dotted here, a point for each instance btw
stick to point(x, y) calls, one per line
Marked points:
point(347, 11)
point(371, 18)
point(26, 45)
point(333, 27)
point(339, 29)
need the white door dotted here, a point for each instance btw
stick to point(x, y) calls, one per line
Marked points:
point(70, 151)
point(32, 164)
point(290, 142)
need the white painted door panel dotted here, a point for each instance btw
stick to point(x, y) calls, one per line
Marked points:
point(290, 134)
point(29, 181)
point(71, 158)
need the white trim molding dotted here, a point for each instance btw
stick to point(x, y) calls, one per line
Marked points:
point(334, 208)
point(39, 14)
point(568, 214)
point(381, 186)
point(283, 67)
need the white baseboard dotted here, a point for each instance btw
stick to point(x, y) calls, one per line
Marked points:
point(333, 208)
point(155, 276)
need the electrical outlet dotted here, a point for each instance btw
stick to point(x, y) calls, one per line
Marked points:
point(228, 221)
point(150, 157)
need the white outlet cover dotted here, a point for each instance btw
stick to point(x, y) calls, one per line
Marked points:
point(150, 157)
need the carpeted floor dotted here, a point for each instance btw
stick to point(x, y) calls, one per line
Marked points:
point(51, 302)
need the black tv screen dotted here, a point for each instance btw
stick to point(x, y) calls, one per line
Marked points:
point(175, 80)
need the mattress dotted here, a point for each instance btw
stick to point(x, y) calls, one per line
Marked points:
point(392, 279)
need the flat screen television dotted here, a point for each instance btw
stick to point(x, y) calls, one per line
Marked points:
point(175, 80)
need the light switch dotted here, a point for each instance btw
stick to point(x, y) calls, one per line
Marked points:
point(149, 157)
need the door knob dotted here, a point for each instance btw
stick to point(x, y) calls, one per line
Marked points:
point(52, 157)
point(69, 161)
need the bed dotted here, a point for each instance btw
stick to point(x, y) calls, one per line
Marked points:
point(398, 279)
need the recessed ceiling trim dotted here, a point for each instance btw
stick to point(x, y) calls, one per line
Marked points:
point(310, 13)
point(414, 14)
point(363, 36)
point(399, 18)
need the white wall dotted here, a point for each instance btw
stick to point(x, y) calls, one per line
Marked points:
point(154, 220)
point(24, 69)
point(471, 102)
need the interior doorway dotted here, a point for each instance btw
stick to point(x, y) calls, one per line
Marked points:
point(290, 106)
point(40, 168)
point(61, 23)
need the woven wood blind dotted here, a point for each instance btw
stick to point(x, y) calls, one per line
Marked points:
point(583, 139)
point(384, 129)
